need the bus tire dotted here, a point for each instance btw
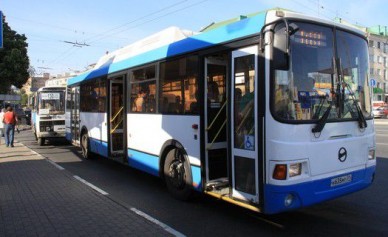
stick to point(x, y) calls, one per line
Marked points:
point(177, 174)
point(34, 131)
point(85, 145)
point(41, 141)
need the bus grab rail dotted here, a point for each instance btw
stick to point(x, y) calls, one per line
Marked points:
point(212, 123)
point(117, 125)
point(215, 118)
point(215, 137)
point(117, 114)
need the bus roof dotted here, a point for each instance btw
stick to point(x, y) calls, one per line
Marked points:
point(235, 30)
point(173, 42)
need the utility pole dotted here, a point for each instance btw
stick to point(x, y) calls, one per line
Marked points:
point(1, 30)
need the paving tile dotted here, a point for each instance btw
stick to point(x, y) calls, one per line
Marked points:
point(37, 199)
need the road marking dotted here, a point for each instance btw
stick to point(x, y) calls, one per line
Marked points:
point(55, 164)
point(50, 161)
point(161, 224)
point(382, 144)
point(138, 212)
point(90, 185)
point(36, 153)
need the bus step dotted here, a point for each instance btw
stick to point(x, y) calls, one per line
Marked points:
point(217, 184)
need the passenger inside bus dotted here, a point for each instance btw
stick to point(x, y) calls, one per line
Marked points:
point(175, 108)
point(140, 105)
point(194, 105)
point(151, 106)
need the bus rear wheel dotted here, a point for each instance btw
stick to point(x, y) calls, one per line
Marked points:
point(177, 175)
point(85, 147)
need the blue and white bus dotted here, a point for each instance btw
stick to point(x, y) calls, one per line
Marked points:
point(271, 111)
point(48, 114)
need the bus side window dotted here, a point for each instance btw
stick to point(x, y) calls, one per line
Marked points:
point(164, 105)
point(151, 107)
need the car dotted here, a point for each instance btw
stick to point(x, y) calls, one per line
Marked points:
point(380, 112)
point(385, 108)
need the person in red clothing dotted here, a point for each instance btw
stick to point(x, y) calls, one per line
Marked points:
point(10, 120)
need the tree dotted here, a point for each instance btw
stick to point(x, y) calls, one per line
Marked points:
point(24, 99)
point(14, 61)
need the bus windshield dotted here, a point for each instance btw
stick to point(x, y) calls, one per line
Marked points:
point(52, 103)
point(328, 73)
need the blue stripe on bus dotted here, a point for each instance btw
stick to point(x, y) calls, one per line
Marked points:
point(98, 147)
point(313, 192)
point(150, 164)
point(145, 162)
point(239, 29)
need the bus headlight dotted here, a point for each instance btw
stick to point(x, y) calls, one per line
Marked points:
point(289, 170)
point(371, 154)
point(295, 169)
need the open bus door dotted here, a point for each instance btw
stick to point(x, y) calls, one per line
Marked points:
point(243, 130)
point(116, 116)
point(74, 115)
point(215, 110)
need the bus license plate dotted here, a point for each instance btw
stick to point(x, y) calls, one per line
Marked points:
point(341, 180)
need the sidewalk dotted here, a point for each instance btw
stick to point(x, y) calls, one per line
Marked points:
point(38, 199)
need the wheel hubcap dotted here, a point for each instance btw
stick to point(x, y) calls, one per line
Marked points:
point(177, 174)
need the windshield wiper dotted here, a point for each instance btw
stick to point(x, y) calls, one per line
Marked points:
point(322, 121)
point(361, 118)
point(322, 100)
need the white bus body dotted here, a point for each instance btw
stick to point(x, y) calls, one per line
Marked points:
point(265, 112)
point(48, 115)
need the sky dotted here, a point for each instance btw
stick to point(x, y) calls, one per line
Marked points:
point(99, 26)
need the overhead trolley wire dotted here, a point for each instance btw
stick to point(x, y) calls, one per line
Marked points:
point(104, 34)
point(148, 21)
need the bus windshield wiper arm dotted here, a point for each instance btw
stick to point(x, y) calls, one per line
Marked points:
point(322, 121)
point(361, 118)
point(321, 103)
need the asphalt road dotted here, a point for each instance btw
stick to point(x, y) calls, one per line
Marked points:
point(360, 214)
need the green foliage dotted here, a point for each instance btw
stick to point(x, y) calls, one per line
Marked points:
point(377, 90)
point(24, 99)
point(14, 61)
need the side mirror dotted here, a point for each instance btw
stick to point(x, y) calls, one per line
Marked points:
point(280, 56)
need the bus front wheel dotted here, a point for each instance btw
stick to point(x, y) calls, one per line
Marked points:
point(177, 175)
point(41, 141)
point(85, 146)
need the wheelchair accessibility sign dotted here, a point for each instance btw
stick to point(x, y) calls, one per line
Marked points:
point(249, 142)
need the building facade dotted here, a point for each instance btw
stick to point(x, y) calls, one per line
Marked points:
point(378, 58)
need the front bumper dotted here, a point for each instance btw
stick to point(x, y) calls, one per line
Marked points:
point(313, 192)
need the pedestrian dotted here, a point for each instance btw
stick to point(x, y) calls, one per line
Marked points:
point(1, 123)
point(10, 120)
